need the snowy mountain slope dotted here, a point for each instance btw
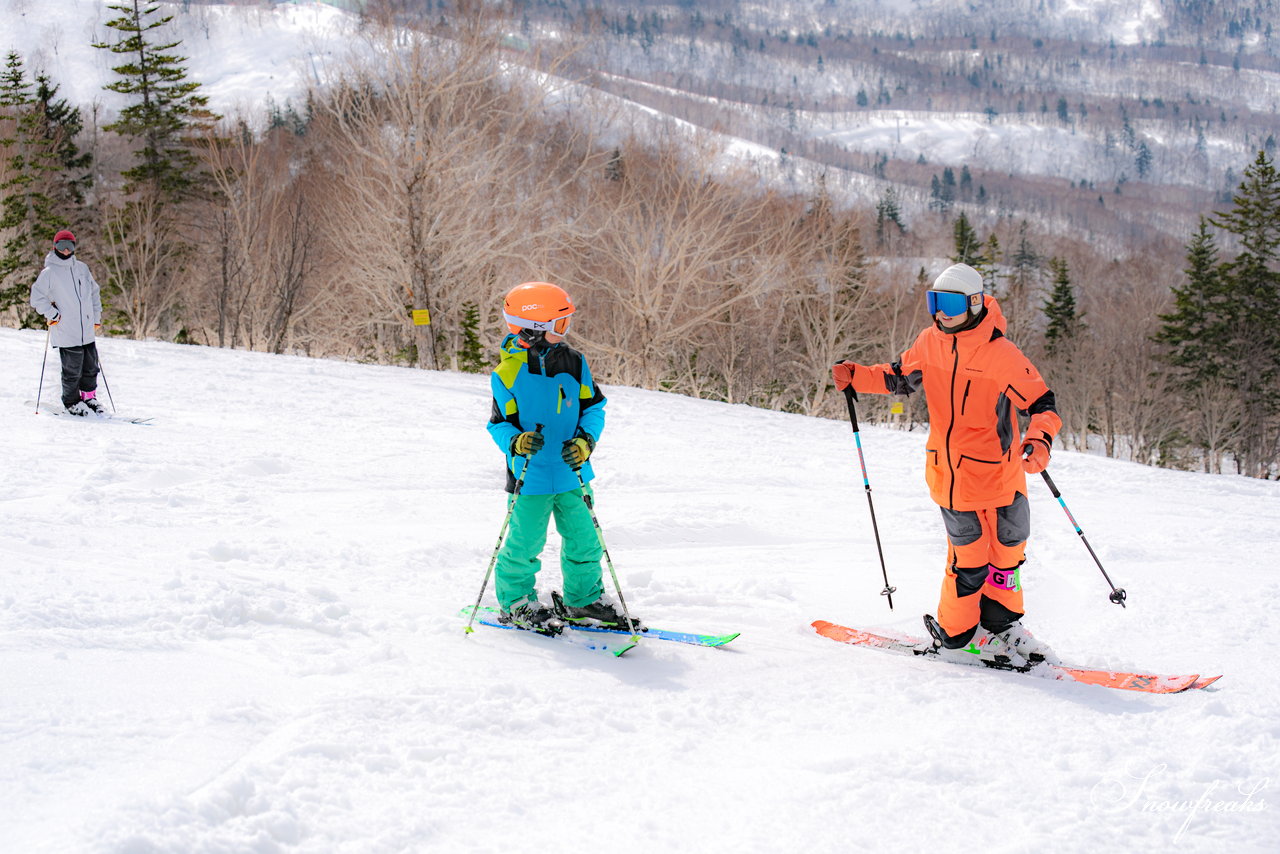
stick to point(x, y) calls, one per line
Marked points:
point(1148, 110)
point(236, 630)
point(246, 56)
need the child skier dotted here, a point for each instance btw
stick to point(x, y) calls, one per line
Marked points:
point(540, 380)
point(975, 382)
point(67, 295)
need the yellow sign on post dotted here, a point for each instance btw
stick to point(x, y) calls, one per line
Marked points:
point(421, 317)
point(896, 408)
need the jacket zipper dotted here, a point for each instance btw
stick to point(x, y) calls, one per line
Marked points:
point(955, 369)
point(965, 400)
point(80, 300)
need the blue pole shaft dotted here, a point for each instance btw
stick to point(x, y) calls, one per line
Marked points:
point(1118, 594)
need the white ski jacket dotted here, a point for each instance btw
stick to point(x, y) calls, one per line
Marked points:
point(67, 291)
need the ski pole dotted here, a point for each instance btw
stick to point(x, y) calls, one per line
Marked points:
point(586, 499)
point(47, 336)
point(105, 384)
point(850, 396)
point(1117, 593)
point(502, 533)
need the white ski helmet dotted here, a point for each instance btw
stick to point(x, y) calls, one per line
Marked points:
point(958, 279)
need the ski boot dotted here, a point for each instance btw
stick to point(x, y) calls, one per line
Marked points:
point(598, 613)
point(981, 648)
point(79, 408)
point(1022, 644)
point(532, 616)
point(92, 402)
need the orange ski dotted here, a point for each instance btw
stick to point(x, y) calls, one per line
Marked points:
point(1145, 682)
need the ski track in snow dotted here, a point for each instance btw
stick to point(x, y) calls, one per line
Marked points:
point(237, 630)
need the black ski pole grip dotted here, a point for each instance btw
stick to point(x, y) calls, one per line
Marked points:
point(849, 397)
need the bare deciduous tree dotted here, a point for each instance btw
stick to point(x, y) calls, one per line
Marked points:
point(447, 170)
point(264, 247)
point(675, 247)
point(143, 263)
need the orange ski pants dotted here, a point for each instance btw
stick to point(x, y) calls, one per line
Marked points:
point(985, 552)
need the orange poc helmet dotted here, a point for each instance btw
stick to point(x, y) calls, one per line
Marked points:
point(537, 307)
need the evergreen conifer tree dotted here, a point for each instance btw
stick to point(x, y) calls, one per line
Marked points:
point(1193, 330)
point(62, 124)
point(1025, 260)
point(26, 209)
point(1223, 329)
point(471, 355)
point(1250, 305)
point(968, 247)
point(1021, 281)
point(165, 115)
point(166, 109)
point(989, 268)
point(888, 211)
point(1065, 322)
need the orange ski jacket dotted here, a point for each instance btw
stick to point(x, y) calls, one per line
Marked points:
point(975, 383)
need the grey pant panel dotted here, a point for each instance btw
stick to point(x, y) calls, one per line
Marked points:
point(963, 526)
point(1013, 523)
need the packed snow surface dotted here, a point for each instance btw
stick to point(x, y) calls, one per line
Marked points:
point(237, 629)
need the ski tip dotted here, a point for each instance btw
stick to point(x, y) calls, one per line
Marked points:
point(1142, 682)
point(1204, 682)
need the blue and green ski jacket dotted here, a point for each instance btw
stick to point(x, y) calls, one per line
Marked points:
point(551, 386)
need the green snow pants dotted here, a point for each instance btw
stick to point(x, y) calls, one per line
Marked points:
point(580, 551)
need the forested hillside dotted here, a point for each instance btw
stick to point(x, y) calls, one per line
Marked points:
point(1118, 122)
point(1109, 173)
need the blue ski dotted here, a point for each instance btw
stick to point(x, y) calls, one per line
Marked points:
point(662, 634)
point(488, 616)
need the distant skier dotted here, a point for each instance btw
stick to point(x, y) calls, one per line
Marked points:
point(976, 382)
point(540, 380)
point(68, 296)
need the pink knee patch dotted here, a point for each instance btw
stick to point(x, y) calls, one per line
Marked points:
point(1004, 579)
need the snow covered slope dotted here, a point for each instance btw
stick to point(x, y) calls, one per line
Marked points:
point(240, 56)
point(236, 630)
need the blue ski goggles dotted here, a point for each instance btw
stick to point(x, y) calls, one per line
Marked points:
point(949, 303)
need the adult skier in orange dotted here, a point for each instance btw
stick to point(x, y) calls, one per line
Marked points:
point(975, 381)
